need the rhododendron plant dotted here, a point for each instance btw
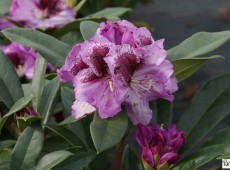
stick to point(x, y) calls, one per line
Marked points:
point(109, 77)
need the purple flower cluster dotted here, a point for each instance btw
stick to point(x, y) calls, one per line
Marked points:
point(25, 112)
point(122, 65)
point(23, 58)
point(159, 147)
point(41, 14)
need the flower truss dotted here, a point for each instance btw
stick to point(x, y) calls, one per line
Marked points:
point(122, 65)
point(159, 147)
point(41, 14)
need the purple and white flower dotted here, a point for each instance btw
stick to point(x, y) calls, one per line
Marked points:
point(41, 14)
point(23, 58)
point(121, 65)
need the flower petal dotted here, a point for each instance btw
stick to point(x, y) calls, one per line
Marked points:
point(143, 135)
point(146, 154)
point(80, 109)
point(99, 92)
point(170, 158)
point(137, 107)
point(73, 64)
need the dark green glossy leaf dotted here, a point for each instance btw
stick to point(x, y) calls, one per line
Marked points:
point(130, 160)
point(53, 50)
point(184, 68)
point(52, 159)
point(5, 156)
point(208, 107)
point(66, 134)
point(198, 44)
point(67, 96)
point(67, 99)
point(68, 120)
point(164, 112)
point(108, 132)
point(77, 162)
point(204, 156)
point(73, 37)
point(220, 137)
point(55, 142)
point(73, 26)
point(6, 144)
point(10, 86)
point(27, 148)
point(100, 162)
point(49, 99)
point(88, 29)
point(20, 104)
point(38, 81)
point(109, 13)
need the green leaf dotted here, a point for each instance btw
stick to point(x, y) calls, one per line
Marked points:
point(73, 26)
point(10, 86)
point(4, 7)
point(184, 68)
point(208, 107)
point(72, 37)
point(20, 104)
point(38, 81)
point(109, 13)
point(67, 99)
point(27, 148)
point(198, 44)
point(53, 50)
point(77, 162)
point(52, 159)
point(130, 160)
point(204, 156)
point(26, 89)
point(68, 120)
point(220, 137)
point(66, 134)
point(108, 132)
point(88, 29)
point(6, 144)
point(5, 156)
point(80, 5)
point(49, 99)
point(164, 112)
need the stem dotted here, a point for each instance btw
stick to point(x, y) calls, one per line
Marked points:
point(119, 151)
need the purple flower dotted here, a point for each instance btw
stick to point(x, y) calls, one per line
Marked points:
point(159, 147)
point(92, 81)
point(143, 80)
point(121, 65)
point(25, 112)
point(23, 59)
point(41, 14)
point(4, 24)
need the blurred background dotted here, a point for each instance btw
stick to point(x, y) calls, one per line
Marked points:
point(176, 20)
